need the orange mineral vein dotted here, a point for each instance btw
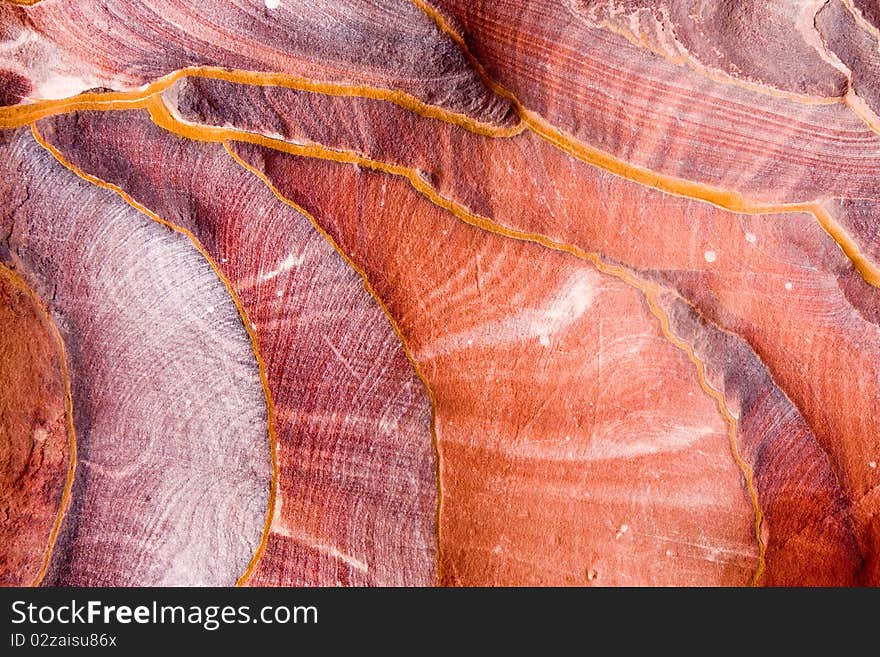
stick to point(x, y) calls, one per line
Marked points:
point(740, 272)
point(491, 457)
point(83, 124)
point(729, 199)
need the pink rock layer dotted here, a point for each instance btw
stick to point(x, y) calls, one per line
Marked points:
point(765, 43)
point(651, 112)
point(806, 524)
point(174, 470)
point(856, 44)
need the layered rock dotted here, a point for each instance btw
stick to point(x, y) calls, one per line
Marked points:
point(627, 249)
point(739, 270)
point(555, 438)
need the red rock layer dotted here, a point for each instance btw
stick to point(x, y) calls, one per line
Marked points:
point(356, 497)
point(35, 449)
point(576, 444)
point(740, 271)
point(174, 470)
point(66, 47)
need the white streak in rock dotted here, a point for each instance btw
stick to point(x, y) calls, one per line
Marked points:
point(316, 544)
point(569, 304)
point(291, 261)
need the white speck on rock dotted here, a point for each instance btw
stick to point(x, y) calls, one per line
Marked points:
point(872, 465)
point(788, 285)
point(273, 4)
point(710, 256)
point(751, 238)
point(291, 261)
point(620, 532)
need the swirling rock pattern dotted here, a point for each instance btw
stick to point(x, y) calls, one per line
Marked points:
point(60, 48)
point(468, 293)
point(325, 344)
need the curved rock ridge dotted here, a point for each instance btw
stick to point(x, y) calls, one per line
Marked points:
point(63, 48)
point(356, 496)
point(35, 444)
point(809, 538)
point(765, 43)
point(173, 475)
point(567, 456)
